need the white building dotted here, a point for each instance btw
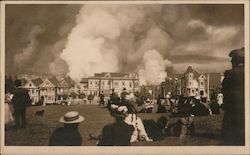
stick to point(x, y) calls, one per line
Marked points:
point(105, 82)
point(193, 83)
point(48, 90)
point(32, 85)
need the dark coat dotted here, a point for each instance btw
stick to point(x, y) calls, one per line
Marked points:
point(154, 130)
point(65, 136)
point(116, 134)
point(21, 99)
point(233, 125)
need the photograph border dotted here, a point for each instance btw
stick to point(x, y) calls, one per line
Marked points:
point(128, 149)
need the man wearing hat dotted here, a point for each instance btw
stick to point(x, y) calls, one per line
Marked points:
point(233, 125)
point(69, 134)
point(20, 101)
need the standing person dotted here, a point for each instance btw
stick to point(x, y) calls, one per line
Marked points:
point(68, 135)
point(220, 98)
point(101, 99)
point(8, 113)
point(233, 125)
point(20, 101)
point(214, 106)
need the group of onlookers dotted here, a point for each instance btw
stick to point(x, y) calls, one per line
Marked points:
point(20, 99)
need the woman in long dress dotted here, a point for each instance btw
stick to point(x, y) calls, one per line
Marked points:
point(8, 114)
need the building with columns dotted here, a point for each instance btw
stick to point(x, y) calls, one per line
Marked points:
point(105, 82)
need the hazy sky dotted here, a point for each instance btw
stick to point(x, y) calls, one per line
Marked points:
point(82, 39)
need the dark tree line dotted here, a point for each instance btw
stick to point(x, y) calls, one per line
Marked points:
point(9, 84)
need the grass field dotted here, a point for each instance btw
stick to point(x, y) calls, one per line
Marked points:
point(39, 130)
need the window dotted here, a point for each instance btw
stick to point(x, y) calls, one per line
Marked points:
point(33, 91)
point(102, 83)
point(96, 82)
point(30, 85)
point(90, 82)
point(202, 83)
point(190, 83)
point(130, 84)
point(123, 83)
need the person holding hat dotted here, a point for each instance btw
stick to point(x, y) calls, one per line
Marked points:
point(20, 101)
point(233, 124)
point(68, 135)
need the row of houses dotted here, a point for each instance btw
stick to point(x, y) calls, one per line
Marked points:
point(192, 83)
point(51, 89)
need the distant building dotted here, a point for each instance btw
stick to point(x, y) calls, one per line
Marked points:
point(64, 87)
point(32, 85)
point(194, 83)
point(191, 83)
point(48, 89)
point(105, 82)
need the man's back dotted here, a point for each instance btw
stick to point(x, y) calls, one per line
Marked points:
point(20, 98)
point(116, 134)
point(65, 137)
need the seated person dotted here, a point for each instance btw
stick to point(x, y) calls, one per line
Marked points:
point(118, 133)
point(184, 126)
point(131, 118)
point(69, 134)
point(156, 130)
point(198, 109)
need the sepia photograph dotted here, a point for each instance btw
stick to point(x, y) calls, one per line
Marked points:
point(132, 74)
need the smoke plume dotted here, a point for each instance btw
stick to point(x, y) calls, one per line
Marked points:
point(22, 58)
point(108, 38)
point(153, 69)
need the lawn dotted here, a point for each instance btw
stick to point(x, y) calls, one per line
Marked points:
point(39, 129)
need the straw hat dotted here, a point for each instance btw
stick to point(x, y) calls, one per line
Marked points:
point(71, 118)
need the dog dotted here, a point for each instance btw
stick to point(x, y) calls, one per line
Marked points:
point(39, 113)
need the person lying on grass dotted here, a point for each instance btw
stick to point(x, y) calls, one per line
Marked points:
point(69, 134)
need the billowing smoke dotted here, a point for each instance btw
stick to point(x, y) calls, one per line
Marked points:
point(23, 57)
point(108, 38)
point(153, 70)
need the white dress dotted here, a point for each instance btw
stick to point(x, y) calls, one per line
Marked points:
point(220, 99)
point(8, 115)
point(139, 131)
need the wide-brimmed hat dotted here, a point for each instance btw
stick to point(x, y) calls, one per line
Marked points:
point(71, 118)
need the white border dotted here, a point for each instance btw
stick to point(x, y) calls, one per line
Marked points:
point(131, 149)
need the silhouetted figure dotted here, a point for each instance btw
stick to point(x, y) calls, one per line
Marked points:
point(101, 99)
point(118, 133)
point(156, 130)
point(160, 107)
point(69, 134)
point(214, 106)
point(20, 101)
point(233, 125)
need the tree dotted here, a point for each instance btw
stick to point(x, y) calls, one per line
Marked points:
point(73, 95)
point(82, 95)
point(90, 97)
point(9, 85)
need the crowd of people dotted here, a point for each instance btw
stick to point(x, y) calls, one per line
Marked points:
point(129, 127)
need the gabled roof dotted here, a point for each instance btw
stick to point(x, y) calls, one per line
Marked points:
point(54, 81)
point(66, 82)
point(37, 82)
point(191, 70)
